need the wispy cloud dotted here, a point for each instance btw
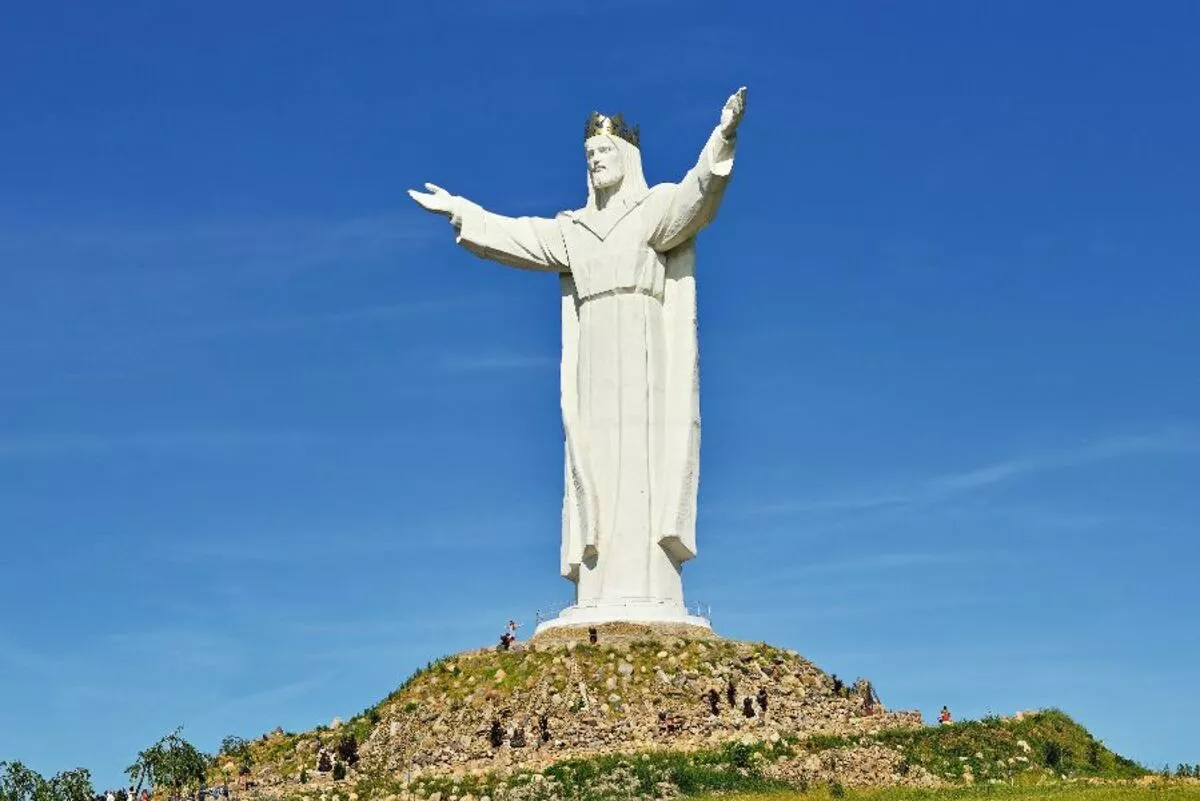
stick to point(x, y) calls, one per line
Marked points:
point(393, 538)
point(267, 698)
point(178, 648)
point(83, 288)
point(496, 362)
point(825, 607)
point(26, 659)
point(340, 317)
point(249, 246)
point(195, 441)
point(891, 561)
point(871, 565)
point(949, 486)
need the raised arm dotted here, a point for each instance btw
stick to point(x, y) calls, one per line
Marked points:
point(530, 243)
point(692, 203)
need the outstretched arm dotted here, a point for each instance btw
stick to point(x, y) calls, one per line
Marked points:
point(693, 202)
point(531, 243)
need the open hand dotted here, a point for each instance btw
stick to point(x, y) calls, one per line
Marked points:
point(731, 114)
point(437, 200)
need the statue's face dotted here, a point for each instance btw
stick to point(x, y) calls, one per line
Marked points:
point(605, 166)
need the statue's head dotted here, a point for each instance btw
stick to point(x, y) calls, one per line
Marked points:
point(613, 159)
point(606, 167)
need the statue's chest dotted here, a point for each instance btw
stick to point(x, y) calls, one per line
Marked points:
point(621, 260)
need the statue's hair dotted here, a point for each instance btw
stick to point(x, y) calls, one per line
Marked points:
point(633, 184)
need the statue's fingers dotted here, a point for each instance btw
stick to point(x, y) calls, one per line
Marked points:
point(434, 188)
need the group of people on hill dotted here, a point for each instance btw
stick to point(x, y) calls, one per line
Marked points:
point(871, 704)
point(132, 794)
point(862, 688)
point(122, 795)
point(713, 698)
point(498, 732)
point(509, 636)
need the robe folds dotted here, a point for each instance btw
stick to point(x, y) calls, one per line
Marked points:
point(629, 372)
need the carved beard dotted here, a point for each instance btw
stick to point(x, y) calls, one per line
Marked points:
point(607, 179)
point(632, 181)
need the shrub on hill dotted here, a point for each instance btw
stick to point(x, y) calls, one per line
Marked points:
point(1000, 748)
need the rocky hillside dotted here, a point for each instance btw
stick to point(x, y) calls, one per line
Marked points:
point(559, 697)
point(646, 713)
point(565, 698)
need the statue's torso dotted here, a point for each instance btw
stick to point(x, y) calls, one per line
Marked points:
point(618, 259)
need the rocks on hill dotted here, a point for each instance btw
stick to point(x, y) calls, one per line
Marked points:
point(637, 689)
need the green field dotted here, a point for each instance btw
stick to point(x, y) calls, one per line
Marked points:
point(1154, 791)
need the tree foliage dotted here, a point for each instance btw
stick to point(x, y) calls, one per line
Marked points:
point(234, 746)
point(70, 785)
point(20, 783)
point(238, 749)
point(172, 762)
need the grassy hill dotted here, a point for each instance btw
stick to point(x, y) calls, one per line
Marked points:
point(633, 717)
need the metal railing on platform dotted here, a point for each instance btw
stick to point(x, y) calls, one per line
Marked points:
point(553, 610)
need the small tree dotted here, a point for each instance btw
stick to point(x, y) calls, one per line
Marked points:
point(19, 783)
point(172, 762)
point(71, 785)
point(238, 749)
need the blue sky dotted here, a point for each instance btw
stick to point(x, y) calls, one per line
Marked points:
point(269, 441)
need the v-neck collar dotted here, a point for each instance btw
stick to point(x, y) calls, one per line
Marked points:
point(599, 231)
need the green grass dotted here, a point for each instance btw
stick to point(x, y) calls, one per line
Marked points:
point(1055, 746)
point(734, 767)
point(1000, 748)
point(1003, 758)
point(991, 753)
point(1160, 791)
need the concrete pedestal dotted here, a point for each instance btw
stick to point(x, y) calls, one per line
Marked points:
point(624, 610)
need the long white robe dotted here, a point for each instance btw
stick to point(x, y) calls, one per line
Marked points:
point(630, 383)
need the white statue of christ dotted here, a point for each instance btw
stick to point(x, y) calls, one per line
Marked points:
point(630, 382)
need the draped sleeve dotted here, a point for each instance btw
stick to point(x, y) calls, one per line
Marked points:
point(692, 203)
point(529, 243)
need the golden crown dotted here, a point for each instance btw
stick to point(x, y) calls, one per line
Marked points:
point(599, 124)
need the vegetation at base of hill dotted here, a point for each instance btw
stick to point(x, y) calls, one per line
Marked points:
point(1043, 745)
point(21, 783)
point(996, 753)
point(171, 763)
point(1052, 791)
point(735, 767)
point(1042, 755)
point(735, 772)
point(1040, 746)
point(998, 748)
